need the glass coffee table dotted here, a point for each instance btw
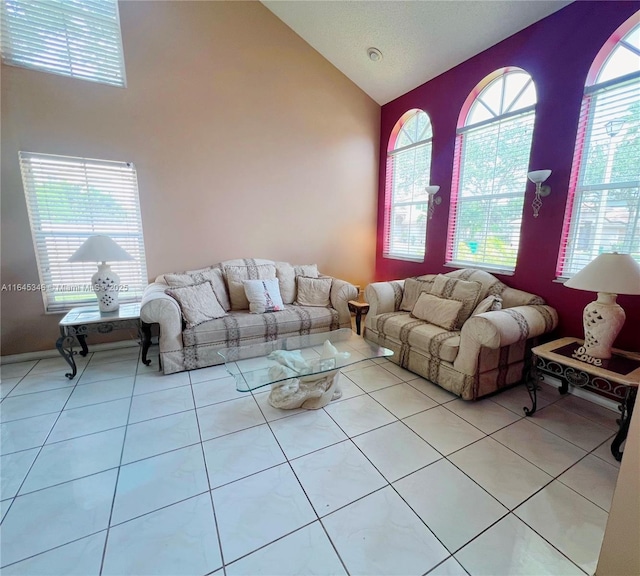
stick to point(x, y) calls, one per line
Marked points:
point(303, 371)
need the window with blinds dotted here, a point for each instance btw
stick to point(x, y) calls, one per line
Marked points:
point(490, 174)
point(603, 206)
point(408, 170)
point(70, 199)
point(78, 38)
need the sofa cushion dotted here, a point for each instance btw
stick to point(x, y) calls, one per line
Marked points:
point(467, 292)
point(236, 275)
point(435, 310)
point(198, 303)
point(263, 295)
point(413, 287)
point(213, 275)
point(487, 305)
point(286, 274)
point(313, 291)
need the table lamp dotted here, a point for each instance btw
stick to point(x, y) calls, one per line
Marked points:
point(608, 275)
point(105, 282)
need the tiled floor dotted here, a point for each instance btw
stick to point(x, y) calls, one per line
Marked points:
point(126, 471)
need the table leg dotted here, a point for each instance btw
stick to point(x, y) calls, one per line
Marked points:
point(64, 345)
point(626, 409)
point(358, 320)
point(531, 379)
point(145, 331)
point(83, 344)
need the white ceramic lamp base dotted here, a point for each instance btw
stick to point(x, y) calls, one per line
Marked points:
point(106, 284)
point(603, 320)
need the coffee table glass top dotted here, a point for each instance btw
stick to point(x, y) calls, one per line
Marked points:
point(252, 367)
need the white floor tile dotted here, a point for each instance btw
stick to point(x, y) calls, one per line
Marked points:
point(517, 398)
point(483, 414)
point(58, 365)
point(359, 415)
point(306, 432)
point(505, 475)
point(75, 458)
point(445, 431)
point(511, 548)
point(214, 391)
point(108, 370)
point(89, 419)
point(539, 446)
point(307, 551)
point(396, 451)
point(41, 383)
point(4, 507)
point(80, 558)
point(403, 400)
point(402, 373)
point(590, 411)
point(348, 388)
point(358, 366)
point(100, 392)
point(594, 479)
point(155, 381)
point(435, 392)
point(211, 373)
point(373, 378)
point(179, 539)
point(578, 430)
point(578, 525)
point(454, 507)
point(150, 484)
point(7, 385)
point(16, 369)
point(259, 509)
point(153, 437)
point(68, 511)
point(604, 453)
point(270, 413)
point(241, 454)
point(336, 476)
point(33, 404)
point(13, 469)
point(227, 417)
point(115, 355)
point(381, 535)
point(25, 433)
point(450, 567)
point(162, 403)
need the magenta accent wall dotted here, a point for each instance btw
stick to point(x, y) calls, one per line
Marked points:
point(557, 52)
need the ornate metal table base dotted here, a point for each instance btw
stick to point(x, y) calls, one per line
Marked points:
point(145, 338)
point(626, 410)
point(64, 344)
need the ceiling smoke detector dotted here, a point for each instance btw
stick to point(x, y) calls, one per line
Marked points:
point(374, 54)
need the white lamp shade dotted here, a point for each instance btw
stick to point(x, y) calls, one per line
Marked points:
point(100, 249)
point(431, 190)
point(610, 273)
point(539, 176)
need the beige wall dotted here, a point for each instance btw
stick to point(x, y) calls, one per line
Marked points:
point(246, 141)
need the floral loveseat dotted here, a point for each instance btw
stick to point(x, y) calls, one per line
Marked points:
point(465, 330)
point(188, 342)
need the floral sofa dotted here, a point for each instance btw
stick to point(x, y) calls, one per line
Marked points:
point(465, 330)
point(192, 332)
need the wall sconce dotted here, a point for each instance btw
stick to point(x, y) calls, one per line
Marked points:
point(432, 191)
point(538, 177)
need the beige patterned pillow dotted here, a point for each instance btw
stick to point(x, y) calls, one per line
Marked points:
point(213, 275)
point(198, 303)
point(436, 310)
point(467, 292)
point(413, 287)
point(314, 291)
point(236, 275)
point(487, 305)
point(286, 274)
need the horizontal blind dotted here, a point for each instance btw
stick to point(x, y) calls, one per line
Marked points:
point(70, 199)
point(485, 222)
point(602, 213)
point(78, 38)
point(409, 172)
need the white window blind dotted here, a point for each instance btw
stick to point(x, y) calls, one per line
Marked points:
point(70, 199)
point(408, 170)
point(603, 208)
point(490, 175)
point(78, 38)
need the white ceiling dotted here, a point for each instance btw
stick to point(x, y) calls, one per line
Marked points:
point(419, 39)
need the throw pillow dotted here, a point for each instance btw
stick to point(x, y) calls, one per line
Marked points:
point(487, 305)
point(236, 275)
point(413, 287)
point(436, 310)
point(465, 291)
point(314, 291)
point(263, 295)
point(198, 303)
point(308, 270)
point(213, 275)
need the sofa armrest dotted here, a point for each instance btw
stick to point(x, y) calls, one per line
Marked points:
point(501, 328)
point(383, 297)
point(160, 308)
point(341, 292)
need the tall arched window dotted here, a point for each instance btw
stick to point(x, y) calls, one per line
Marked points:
point(490, 171)
point(604, 190)
point(406, 201)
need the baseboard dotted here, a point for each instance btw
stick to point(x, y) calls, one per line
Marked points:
point(584, 394)
point(42, 354)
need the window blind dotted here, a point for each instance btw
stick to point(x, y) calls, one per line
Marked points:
point(78, 38)
point(602, 213)
point(70, 199)
point(490, 177)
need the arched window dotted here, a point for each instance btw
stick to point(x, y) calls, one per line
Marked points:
point(490, 171)
point(406, 201)
point(604, 190)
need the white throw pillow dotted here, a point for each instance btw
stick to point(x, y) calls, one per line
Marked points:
point(314, 291)
point(198, 303)
point(263, 295)
point(236, 275)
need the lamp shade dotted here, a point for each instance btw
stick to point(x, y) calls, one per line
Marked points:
point(100, 249)
point(611, 273)
point(538, 176)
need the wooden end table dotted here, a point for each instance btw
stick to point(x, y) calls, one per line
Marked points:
point(619, 376)
point(358, 308)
